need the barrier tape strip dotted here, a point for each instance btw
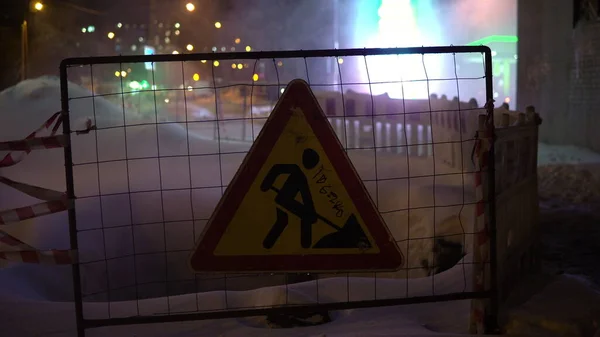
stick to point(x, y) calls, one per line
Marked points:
point(33, 191)
point(48, 142)
point(11, 241)
point(37, 210)
point(483, 144)
point(54, 201)
point(13, 158)
point(51, 257)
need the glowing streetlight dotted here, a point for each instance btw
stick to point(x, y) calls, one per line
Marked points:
point(237, 40)
point(233, 66)
point(255, 77)
point(177, 32)
point(216, 63)
point(240, 66)
point(196, 77)
point(38, 6)
point(248, 48)
point(111, 35)
point(203, 61)
point(119, 25)
point(177, 25)
point(218, 25)
point(123, 73)
point(340, 60)
point(175, 52)
point(279, 64)
point(190, 7)
point(189, 47)
point(117, 73)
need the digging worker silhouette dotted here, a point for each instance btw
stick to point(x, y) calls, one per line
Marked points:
point(296, 183)
point(351, 235)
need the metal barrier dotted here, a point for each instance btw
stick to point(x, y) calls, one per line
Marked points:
point(145, 181)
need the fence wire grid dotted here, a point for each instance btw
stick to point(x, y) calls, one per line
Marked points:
point(169, 132)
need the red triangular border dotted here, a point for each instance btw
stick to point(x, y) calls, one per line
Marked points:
point(296, 94)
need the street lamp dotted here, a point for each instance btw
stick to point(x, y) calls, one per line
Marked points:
point(189, 47)
point(248, 48)
point(218, 25)
point(38, 6)
point(190, 7)
point(111, 35)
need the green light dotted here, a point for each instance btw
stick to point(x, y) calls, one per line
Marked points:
point(494, 39)
point(135, 85)
point(91, 29)
point(145, 84)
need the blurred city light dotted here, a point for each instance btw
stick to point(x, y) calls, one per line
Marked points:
point(255, 77)
point(233, 66)
point(177, 25)
point(190, 7)
point(279, 63)
point(217, 24)
point(214, 48)
point(166, 100)
point(91, 29)
point(175, 52)
point(189, 47)
point(248, 48)
point(177, 32)
point(203, 61)
point(237, 40)
point(119, 25)
point(111, 35)
point(240, 66)
point(38, 6)
point(189, 88)
point(83, 30)
point(117, 73)
point(282, 90)
point(196, 77)
point(340, 60)
point(135, 85)
point(123, 73)
point(216, 63)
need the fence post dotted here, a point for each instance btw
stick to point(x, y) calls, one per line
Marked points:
point(72, 216)
point(482, 310)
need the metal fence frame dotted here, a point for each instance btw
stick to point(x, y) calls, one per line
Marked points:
point(491, 294)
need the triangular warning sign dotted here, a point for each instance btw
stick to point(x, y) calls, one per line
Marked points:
point(296, 204)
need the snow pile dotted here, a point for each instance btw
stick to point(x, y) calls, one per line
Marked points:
point(569, 184)
point(569, 306)
point(565, 154)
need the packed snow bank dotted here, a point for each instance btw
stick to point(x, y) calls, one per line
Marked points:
point(568, 175)
point(565, 154)
point(569, 184)
point(569, 306)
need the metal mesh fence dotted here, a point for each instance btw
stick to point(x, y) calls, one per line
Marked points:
point(155, 141)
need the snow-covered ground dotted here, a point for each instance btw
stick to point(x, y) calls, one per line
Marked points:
point(34, 300)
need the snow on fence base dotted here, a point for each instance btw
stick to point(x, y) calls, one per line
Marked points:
point(135, 261)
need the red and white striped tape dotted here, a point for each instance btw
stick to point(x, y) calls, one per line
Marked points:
point(52, 257)
point(37, 210)
point(13, 158)
point(13, 242)
point(48, 142)
point(33, 191)
point(54, 201)
point(481, 246)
